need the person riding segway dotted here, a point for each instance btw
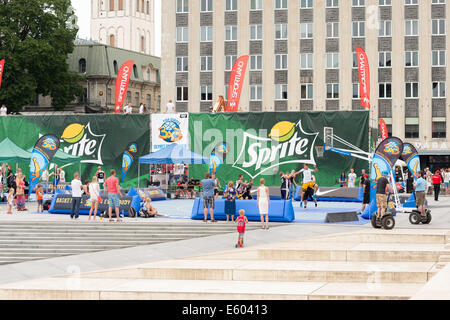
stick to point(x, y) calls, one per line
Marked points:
point(422, 214)
point(382, 219)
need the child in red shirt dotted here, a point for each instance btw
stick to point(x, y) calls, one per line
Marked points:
point(241, 222)
point(40, 198)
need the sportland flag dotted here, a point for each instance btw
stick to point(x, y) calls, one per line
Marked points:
point(236, 82)
point(122, 81)
point(2, 65)
point(364, 77)
point(383, 129)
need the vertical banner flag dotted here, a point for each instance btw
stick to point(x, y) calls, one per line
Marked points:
point(235, 84)
point(384, 159)
point(168, 129)
point(383, 129)
point(43, 152)
point(2, 66)
point(128, 158)
point(218, 156)
point(122, 81)
point(364, 77)
point(411, 157)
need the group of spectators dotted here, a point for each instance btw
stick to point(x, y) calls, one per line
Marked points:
point(14, 185)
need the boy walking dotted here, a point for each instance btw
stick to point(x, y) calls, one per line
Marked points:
point(40, 198)
point(241, 222)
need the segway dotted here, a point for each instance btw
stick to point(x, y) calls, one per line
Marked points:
point(416, 217)
point(387, 222)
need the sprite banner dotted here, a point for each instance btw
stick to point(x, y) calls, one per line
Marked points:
point(98, 140)
point(261, 145)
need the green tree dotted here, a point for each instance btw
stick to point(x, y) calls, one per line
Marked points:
point(35, 38)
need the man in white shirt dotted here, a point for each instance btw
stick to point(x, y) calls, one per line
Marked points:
point(128, 109)
point(45, 176)
point(141, 109)
point(352, 178)
point(308, 181)
point(62, 175)
point(170, 107)
point(3, 111)
point(76, 195)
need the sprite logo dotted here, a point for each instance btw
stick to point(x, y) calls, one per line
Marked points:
point(287, 143)
point(83, 143)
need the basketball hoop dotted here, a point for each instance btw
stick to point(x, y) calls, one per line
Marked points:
point(319, 151)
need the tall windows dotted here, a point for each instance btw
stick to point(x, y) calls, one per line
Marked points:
point(332, 30)
point(182, 64)
point(412, 27)
point(256, 93)
point(231, 5)
point(82, 65)
point(256, 32)
point(120, 5)
point(206, 93)
point(385, 90)
point(306, 30)
point(111, 5)
point(385, 29)
point(182, 94)
point(112, 40)
point(281, 4)
point(438, 58)
point(306, 60)
point(207, 5)
point(307, 91)
point(438, 89)
point(411, 58)
point(206, 34)
point(332, 60)
point(281, 92)
point(255, 62)
point(412, 90)
point(332, 90)
point(385, 59)
point(229, 62)
point(182, 34)
point(281, 31)
point(256, 4)
point(281, 62)
point(206, 63)
point(182, 6)
point(358, 29)
point(438, 27)
point(231, 33)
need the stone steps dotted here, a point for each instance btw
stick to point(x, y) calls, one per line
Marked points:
point(149, 289)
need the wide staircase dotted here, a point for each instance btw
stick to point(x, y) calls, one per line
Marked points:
point(368, 264)
point(25, 241)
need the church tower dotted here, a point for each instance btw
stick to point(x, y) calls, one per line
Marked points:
point(126, 24)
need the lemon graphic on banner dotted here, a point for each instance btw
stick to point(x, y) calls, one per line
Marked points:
point(282, 131)
point(73, 133)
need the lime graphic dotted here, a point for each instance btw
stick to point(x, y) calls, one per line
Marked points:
point(73, 133)
point(282, 131)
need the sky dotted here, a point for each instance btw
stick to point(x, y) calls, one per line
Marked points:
point(83, 13)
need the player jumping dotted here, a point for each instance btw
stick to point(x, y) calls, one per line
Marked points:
point(309, 182)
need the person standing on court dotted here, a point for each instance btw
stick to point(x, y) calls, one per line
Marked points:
point(382, 185)
point(366, 192)
point(437, 180)
point(76, 195)
point(263, 203)
point(112, 185)
point(208, 185)
point(352, 178)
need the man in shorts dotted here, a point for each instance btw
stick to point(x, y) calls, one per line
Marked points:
point(100, 177)
point(382, 185)
point(208, 185)
point(366, 191)
point(421, 186)
point(308, 181)
point(112, 185)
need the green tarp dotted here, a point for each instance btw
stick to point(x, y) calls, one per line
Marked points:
point(10, 152)
point(62, 157)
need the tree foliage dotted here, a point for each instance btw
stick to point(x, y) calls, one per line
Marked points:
point(36, 37)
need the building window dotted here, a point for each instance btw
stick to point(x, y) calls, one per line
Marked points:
point(182, 34)
point(385, 59)
point(128, 97)
point(120, 5)
point(206, 63)
point(411, 58)
point(355, 61)
point(206, 93)
point(358, 29)
point(385, 2)
point(281, 61)
point(82, 65)
point(438, 89)
point(182, 94)
point(255, 63)
point(332, 4)
point(147, 75)
point(112, 40)
point(412, 90)
point(182, 64)
point(332, 90)
point(206, 34)
point(358, 3)
point(438, 27)
point(332, 30)
point(135, 71)
point(356, 91)
point(255, 4)
point(116, 67)
point(439, 130)
point(409, 2)
point(438, 2)
point(281, 4)
point(142, 44)
point(412, 131)
point(136, 98)
point(332, 60)
point(148, 100)
point(142, 6)
point(229, 62)
point(385, 28)
point(438, 58)
point(306, 4)
point(306, 31)
point(281, 92)
point(231, 33)
point(306, 60)
point(111, 5)
point(385, 90)
point(207, 6)
point(281, 31)
point(412, 27)
point(182, 6)
point(255, 93)
point(256, 32)
point(148, 7)
point(307, 91)
point(109, 96)
point(231, 5)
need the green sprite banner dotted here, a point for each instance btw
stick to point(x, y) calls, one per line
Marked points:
point(98, 140)
point(261, 145)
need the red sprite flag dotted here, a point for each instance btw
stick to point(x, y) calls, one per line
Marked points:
point(383, 129)
point(364, 77)
point(122, 81)
point(236, 82)
point(2, 65)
